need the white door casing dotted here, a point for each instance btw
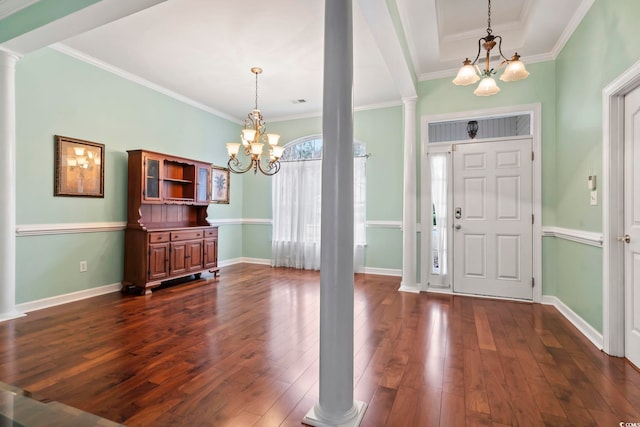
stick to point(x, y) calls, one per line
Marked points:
point(493, 236)
point(632, 225)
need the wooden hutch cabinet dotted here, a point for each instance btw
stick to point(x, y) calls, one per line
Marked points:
point(167, 235)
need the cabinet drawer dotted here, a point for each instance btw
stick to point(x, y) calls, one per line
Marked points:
point(211, 233)
point(177, 236)
point(158, 237)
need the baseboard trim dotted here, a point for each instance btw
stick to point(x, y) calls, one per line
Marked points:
point(585, 328)
point(443, 291)
point(382, 271)
point(244, 260)
point(40, 304)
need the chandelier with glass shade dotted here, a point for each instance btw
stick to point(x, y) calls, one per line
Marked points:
point(470, 72)
point(254, 138)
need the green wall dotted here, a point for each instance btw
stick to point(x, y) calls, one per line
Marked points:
point(602, 47)
point(58, 95)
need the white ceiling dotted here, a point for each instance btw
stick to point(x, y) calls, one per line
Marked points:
point(203, 49)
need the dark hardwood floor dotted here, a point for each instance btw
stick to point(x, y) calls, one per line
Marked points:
point(242, 351)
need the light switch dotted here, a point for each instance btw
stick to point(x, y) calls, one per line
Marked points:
point(594, 198)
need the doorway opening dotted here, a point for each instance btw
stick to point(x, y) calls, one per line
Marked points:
point(443, 252)
point(613, 158)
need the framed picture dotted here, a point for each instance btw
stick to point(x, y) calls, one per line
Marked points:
point(78, 168)
point(219, 184)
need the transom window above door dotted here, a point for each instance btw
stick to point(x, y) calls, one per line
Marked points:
point(485, 127)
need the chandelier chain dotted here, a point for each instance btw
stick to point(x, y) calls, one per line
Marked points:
point(489, 30)
point(256, 91)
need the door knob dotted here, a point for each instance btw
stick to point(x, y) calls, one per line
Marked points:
point(626, 238)
point(458, 226)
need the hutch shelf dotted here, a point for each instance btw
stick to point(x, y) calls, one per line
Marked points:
point(167, 235)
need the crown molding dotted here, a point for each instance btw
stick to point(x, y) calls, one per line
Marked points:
point(9, 7)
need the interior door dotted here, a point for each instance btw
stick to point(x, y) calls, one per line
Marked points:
point(632, 225)
point(492, 219)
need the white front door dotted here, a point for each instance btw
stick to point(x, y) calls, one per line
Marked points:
point(492, 219)
point(632, 225)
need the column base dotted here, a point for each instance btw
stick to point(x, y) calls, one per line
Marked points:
point(311, 419)
point(11, 315)
point(412, 289)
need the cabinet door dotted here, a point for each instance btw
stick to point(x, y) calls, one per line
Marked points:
point(203, 193)
point(210, 253)
point(158, 261)
point(152, 176)
point(178, 258)
point(193, 258)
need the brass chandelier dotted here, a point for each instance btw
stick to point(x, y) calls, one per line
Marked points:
point(470, 72)
point(253, 138)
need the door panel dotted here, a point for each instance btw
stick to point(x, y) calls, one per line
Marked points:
point(194, 256)
point(632, 226)
point(178, 258)
point(158, 261)
point(492, 188)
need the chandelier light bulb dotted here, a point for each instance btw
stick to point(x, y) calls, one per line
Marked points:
point(276, 151)
point(233, 148)
point(273, 138)
point(487, 87)
point(515, 70)
point(466, 75)
point(256, 148)
point(248, 135)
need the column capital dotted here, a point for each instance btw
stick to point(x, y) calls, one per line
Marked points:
point(6, 53)
point(409, 100)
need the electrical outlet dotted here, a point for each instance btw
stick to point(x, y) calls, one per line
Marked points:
point(83, 266)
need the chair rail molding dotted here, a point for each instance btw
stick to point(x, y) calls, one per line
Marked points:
point(68, 228)
point(580, 236)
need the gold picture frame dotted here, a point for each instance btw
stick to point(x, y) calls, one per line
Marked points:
point(79, 168)
point(220, 180)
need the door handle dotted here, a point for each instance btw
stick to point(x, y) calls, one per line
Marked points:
point(626, 238)
point(457, 226)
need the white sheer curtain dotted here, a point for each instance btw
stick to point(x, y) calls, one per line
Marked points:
point(296, 201)
point(438, 163)
point(359, 211)
point(296, 192)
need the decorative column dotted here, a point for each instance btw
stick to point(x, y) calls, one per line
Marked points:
point(8, 185)
point(409, 222)
point(336, 406)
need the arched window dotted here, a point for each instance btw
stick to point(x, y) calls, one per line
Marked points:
point(296, 202)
